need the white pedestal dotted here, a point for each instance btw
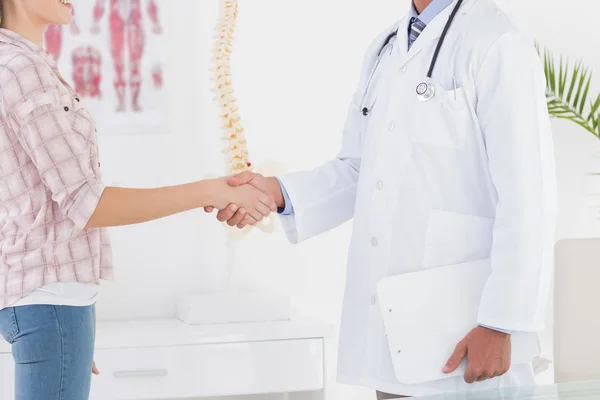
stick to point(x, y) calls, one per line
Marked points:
point(233, 307)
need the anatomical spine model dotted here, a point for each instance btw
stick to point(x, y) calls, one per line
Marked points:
point(127, 34)
point(236, 148)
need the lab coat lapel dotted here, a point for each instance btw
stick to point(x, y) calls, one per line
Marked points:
point(401, 45)
point(432, 32)
point(402, 37)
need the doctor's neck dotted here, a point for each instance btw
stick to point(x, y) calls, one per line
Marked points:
point(420, 5)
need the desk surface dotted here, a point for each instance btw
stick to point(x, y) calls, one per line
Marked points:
point(565, 391)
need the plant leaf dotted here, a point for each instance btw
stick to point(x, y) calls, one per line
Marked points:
point(593, 109)
point(573, 82)
point(563, 77)
point(582, 77)
point(585, 93)
point(567, 93)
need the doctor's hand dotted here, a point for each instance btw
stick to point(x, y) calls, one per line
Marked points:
point(487, 352)
point(233, 214)
point(255, 202)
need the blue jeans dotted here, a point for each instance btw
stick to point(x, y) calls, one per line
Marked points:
point(53, 349)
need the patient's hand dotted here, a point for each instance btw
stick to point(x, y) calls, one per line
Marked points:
point(254, 201)
point(236, 216)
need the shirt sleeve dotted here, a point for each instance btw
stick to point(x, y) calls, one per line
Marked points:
point(288, 208)
point(496, 329)
point(62, 156)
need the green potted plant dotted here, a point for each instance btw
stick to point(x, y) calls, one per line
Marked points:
point(568, 92)
point(568, 95)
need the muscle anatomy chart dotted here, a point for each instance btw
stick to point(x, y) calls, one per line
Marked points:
point(126, 36)
point(87, 74)
point(113, 53)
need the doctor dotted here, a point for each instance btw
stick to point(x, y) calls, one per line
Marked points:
point(447, 158)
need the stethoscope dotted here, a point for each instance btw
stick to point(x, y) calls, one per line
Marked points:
point(426, 89)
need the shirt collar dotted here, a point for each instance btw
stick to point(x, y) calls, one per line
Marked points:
point(13, 38)
point(431, 11)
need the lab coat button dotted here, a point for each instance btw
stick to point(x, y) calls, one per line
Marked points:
point(379, 185)
point(392, 126)
point(374, 241)
point(403, 69)
point(373, 300)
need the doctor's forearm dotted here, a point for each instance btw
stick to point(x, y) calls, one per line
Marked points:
point(519, 149)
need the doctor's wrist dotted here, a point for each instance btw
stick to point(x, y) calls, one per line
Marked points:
point(275, 191)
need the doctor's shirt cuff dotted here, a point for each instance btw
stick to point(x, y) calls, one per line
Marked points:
point(289, 208)
point(496, 329)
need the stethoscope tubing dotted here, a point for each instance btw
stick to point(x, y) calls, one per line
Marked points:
point(425, 90)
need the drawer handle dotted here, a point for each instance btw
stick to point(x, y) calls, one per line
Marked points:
point(153, 373)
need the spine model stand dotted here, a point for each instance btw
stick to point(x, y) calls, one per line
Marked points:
point(236, 147)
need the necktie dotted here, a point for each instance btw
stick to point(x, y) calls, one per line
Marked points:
point(416, 27)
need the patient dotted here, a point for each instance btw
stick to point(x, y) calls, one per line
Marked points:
point(55, 208)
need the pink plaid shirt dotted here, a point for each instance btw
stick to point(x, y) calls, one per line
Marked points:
point(50, 181)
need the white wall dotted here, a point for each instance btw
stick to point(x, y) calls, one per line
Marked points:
point(155, 262)
point(295, 66)
point(290, 91)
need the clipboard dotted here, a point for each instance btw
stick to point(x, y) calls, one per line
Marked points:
point(426, 313)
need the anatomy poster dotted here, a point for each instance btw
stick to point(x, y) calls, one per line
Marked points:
point(113, 56)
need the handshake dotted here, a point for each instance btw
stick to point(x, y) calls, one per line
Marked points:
point(246, 198)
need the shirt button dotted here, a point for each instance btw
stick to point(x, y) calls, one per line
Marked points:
point(379, 185)
point(77, 98)
point(392, 126)
point(66, 108)
point(403, 69)
point(374, 241)
point(373, 300)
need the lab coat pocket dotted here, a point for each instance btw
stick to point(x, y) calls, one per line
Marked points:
point(455, 238)
point(442, 121)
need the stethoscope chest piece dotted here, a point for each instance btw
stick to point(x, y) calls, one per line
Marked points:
point(425, 90)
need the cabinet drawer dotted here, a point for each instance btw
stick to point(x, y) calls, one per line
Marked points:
point(209, 370)
point(7, 377)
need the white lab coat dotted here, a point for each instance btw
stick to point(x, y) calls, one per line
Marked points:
point(467, 176)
